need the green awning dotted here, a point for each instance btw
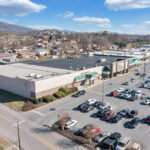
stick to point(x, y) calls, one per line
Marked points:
point(106, 69)
point(80, 77)
point(90, 75)
point(131, 61)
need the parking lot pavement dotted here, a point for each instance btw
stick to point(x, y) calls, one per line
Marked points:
point(141, 133)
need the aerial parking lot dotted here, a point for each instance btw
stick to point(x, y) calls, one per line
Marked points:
point(141, 133)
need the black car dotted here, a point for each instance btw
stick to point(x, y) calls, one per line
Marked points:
point(116, 136)
point(123, 112)
point(87, 108)
point(107, 144)
point(81, 106)
point(134, 122)
point(102, 112)
point(132, 113)
point(79, 93)
point(97, 104)
point(116, 118)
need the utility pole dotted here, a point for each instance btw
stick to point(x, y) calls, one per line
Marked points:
point(103, 91)
point(18, 132)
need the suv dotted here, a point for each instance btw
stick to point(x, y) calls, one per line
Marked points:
point(116, 118)
point(102, 112)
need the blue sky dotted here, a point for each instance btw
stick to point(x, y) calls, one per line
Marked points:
point(123, 16)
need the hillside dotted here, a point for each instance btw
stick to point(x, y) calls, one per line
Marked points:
point(13, 28)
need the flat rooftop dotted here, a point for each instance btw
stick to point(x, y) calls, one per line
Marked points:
point(22, 70)
point(77, 63)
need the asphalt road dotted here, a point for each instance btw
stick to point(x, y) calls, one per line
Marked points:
point(140, 134)
point(36, 135)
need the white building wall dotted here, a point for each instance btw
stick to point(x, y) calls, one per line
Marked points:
point(54, 82)
point(18, 86)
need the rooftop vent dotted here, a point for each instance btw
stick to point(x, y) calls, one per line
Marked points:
point(38, 76)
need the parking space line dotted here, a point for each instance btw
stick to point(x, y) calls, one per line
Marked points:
point(95, 92)
point(5, 119)
point(44, 142)
point(39, 113)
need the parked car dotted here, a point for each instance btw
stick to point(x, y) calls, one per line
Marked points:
point(111, 107)
point(116, 136)
point(126, 83)
point(81, 106)
point(120, 89)
point(134, 122)
point(132, 113)
point(121, 95)
point(107, 144)
point(146, 102)
point(70, 123)
point(102, 112)
point(95, 132)
point(101, 136)
point(79, 93)
point(114, 93)
point(127, 96)
point(97, 104)
point(116, 118)
point(123, 144)
point(91, 101)
point(124, 112)
point(104, 105)
point(135, 146)
point(147, 120)
point(109, 115)
point(87, 108)
point(133, 80)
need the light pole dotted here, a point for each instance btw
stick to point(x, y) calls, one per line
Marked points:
point(103, 91)
point(18, 131)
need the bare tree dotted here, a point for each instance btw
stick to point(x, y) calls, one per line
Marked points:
point(89, 133)
point(63, 118)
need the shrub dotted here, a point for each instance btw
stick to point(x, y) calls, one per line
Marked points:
point(58, 94)
point(62, 93)
point(48, 98)
point(74, 89)
point(36, 101)
point(32, 99)
point(40, 100)
point(65, 90)
point(28, 106)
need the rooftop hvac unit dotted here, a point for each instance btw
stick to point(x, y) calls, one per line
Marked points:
point(31, 75)
point(38, 76)
point(83, 68)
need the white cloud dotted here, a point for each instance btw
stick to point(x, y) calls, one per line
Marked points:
point(127, 4)
point(43, 27)
point(99, 22)
point(8, 21)
point(127, 25)
point(19, 7)
point(67, 14)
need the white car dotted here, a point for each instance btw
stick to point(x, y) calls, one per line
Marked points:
point(70, 124)
point(101, 136)
point(120, 89)
point(91, 101)
point(127, 96)
point(135, 146)
point(111, 107)
point(104, 105)
point(123, 144)
point(146, 102)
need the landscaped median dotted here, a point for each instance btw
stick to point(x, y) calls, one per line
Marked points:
point(33, 103)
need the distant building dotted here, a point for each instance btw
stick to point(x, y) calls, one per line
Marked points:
point(41, 52)
point(8, 57)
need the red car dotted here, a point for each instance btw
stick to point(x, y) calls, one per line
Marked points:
point(147, 120)
point(109, 115)
point(96, 132)
point(114, 93)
